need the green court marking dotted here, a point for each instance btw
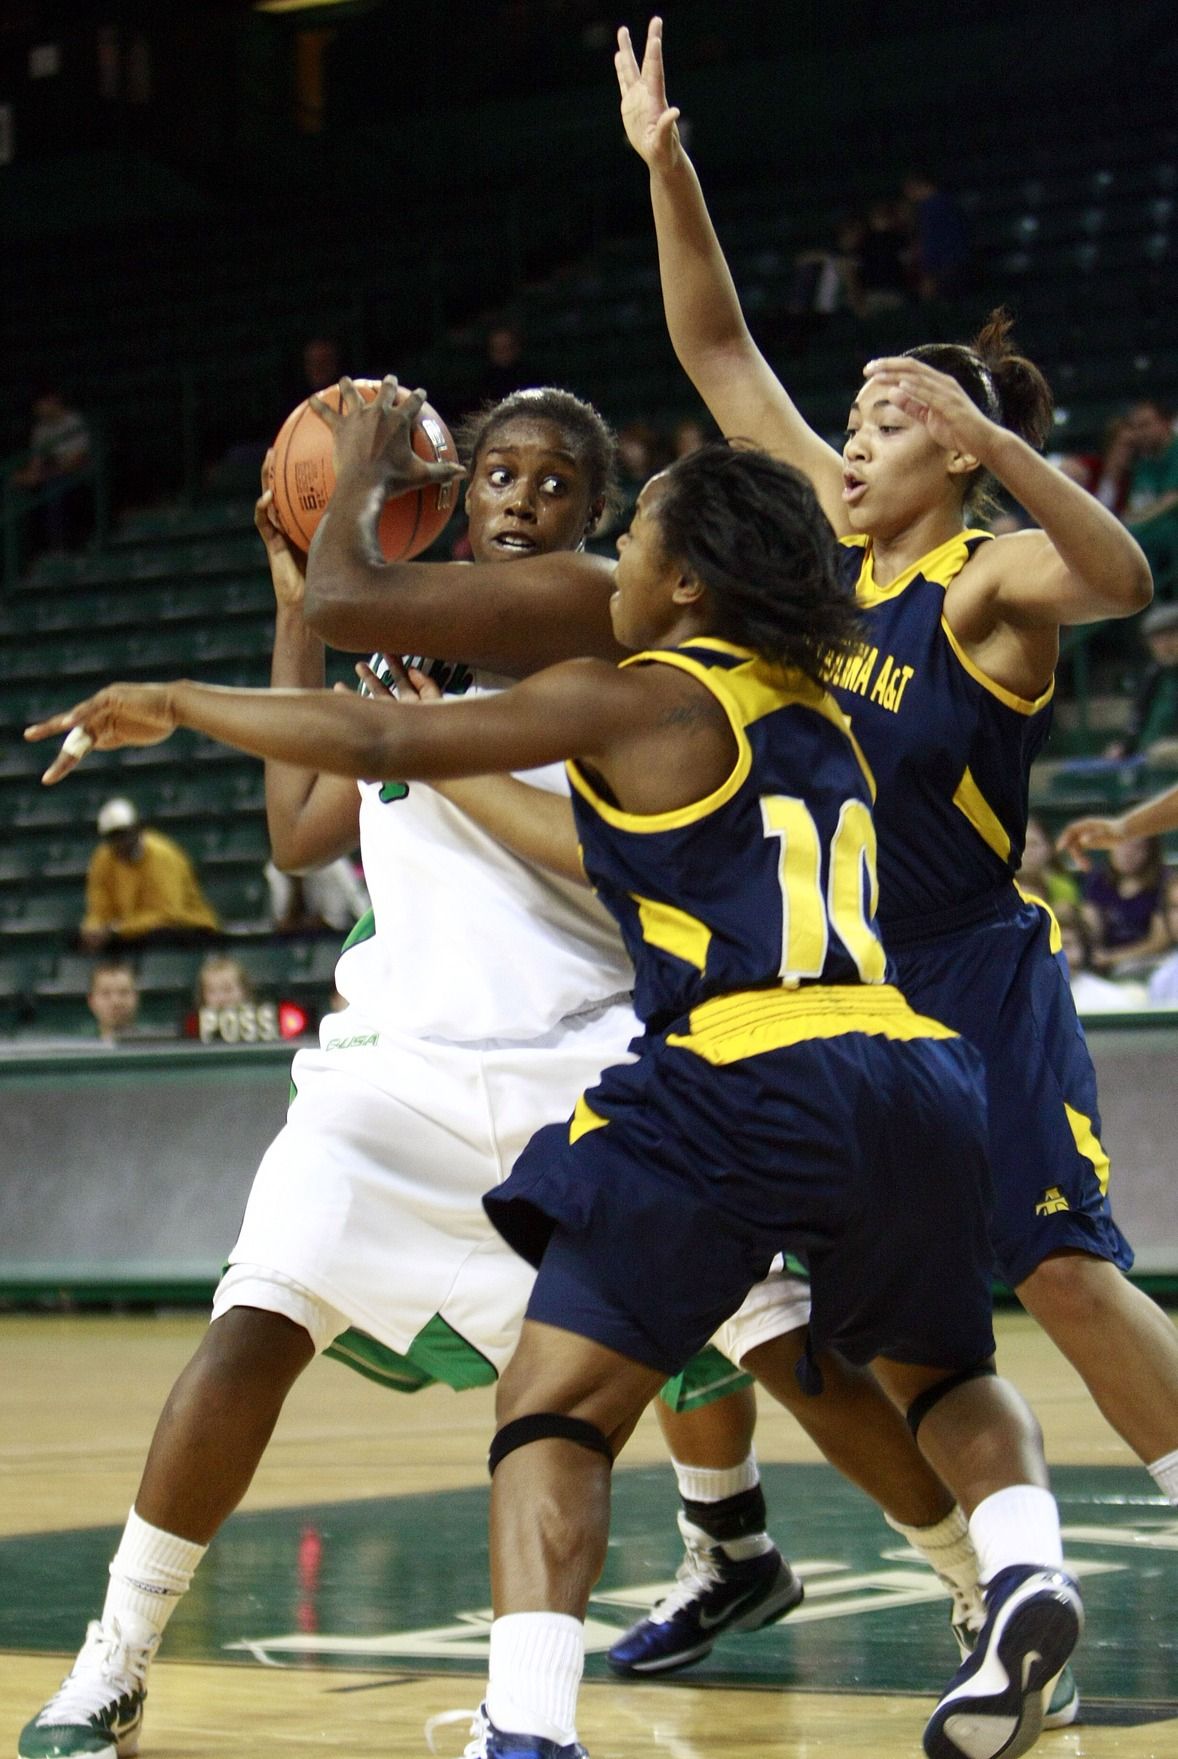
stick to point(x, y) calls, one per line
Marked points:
point(390, 1585)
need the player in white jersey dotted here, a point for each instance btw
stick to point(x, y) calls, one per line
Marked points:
point(483, 997)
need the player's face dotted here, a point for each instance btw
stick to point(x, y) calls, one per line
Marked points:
point(642, 607)
point(528, 494)
point(892, 471)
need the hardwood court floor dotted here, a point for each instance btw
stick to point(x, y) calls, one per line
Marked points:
point(79, 1398)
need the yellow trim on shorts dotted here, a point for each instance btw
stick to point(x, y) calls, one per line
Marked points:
point(1089, 1145)
point(1054, 937)
point(970, 800)
point(729, 1028)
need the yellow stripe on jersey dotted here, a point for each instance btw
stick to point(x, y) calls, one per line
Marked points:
point(583, 1120)
point(1054, 937)
point(1022, 705)
point(756, 696)
point(940, 566)
point(1088, 1143)
point(970, 800)
point(680, 815)
point(674, 931)
point(730, 1028)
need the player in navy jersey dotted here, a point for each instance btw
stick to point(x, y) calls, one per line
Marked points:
point(949, 697)
point(784, 1096)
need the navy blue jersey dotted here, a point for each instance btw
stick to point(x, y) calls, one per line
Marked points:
point(768, 880)
point(949, 748)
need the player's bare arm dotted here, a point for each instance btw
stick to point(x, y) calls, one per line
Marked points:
point(311, 819)
point(543, 610)
point(1149, 818)
point(647, 733)
point(704, 318)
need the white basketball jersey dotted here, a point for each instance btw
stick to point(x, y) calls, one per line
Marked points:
point(470, 943)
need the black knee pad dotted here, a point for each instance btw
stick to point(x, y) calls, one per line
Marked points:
point(545, 1426)
point(920, 1407)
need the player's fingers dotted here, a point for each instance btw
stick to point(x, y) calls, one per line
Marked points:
point(350, 399)
point(444, 470)
point(62, 723)
point(268, 469)
point(324, 411)
point(425, 686)
point(412, 406)
point(386, 397)
point(625, 61)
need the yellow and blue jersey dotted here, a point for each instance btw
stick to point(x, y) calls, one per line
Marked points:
point(950, 749)
point(770, 879)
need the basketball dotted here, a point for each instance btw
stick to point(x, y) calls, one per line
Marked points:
point(302, 476)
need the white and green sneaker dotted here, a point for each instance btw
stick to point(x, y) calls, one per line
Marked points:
point(1061, 1697)
point(97, 1711)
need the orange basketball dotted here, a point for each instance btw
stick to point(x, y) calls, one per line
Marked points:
point(302, 476)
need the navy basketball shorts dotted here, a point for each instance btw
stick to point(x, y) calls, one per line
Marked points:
point(1003, 984)
point(831, 1123)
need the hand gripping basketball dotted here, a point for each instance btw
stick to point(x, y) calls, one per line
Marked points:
point(375, 434)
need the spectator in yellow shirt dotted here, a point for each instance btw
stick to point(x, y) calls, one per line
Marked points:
point(141, 887)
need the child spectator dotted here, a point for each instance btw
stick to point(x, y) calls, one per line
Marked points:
point(1042, 873)
point(1091, 993)
point(1163, 984)
point(1121, 904)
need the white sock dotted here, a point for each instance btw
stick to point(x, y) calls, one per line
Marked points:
point(1018, 1525)
point(716, 1483)
point(947, 1548)
point(149, 1573)
point(1164, 1473)
point(536, 1663)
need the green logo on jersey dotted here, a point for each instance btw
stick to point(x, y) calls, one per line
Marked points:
point(391, 791)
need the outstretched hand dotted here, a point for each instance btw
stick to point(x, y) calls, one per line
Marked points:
point(936, 400)
point(1084, 834)
point(122, 714)
point(649, 121)
point(374, 441)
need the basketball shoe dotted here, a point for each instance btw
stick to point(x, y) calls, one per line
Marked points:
point(994, 1705)
point(715, 1592)
point(97, 1711)
point(1061, 1699)
point(488, 1742)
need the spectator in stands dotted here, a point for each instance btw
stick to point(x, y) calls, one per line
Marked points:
point(221, 982)
point(941, 241)
point(1091, 993)
point(688, 434)
point(60, 451)
point(113, 999)
point(1042, 873)
point(640, 452)
point(1111, 487)
point(504, 368)
point(141, 888)
point(1151, 503)
point(333, 897)
point(880, 275)
point(1121, 905)
point(1163, 984)
point(826, 279)
point(1153, 717)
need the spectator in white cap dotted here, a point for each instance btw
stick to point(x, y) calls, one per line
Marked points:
point(141, 888)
